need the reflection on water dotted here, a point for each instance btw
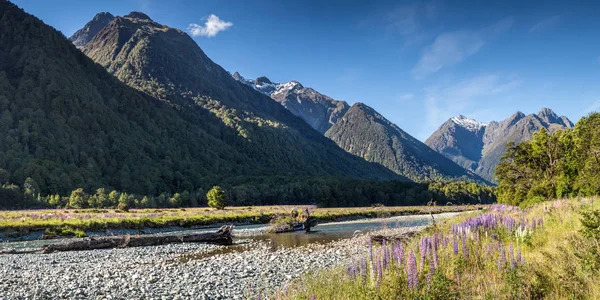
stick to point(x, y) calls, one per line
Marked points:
point(326, 233)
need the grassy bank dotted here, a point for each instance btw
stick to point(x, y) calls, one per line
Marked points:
point(22, 221)
point(501, 253)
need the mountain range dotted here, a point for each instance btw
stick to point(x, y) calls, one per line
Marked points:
point(144, 110)
point(362, 131)
point(479, 147)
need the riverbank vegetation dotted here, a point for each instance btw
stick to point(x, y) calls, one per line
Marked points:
point(324, 192)
point(67, 220)
point(547, 251)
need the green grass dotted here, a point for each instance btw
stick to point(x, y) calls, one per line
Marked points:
point(558, 262)
point(96, 220)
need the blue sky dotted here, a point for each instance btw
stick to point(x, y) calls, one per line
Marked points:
point(417, 63)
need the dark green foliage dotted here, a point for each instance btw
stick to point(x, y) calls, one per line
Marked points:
point(67, 123)
point(367, 134)
point(591, 224)
point(217, 198)
point(565, 163)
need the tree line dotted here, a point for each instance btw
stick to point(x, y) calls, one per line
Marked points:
point(324, 192)
point(562, 164)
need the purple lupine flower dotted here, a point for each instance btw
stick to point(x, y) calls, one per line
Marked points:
point(385, 254)
point(313, 297)
point(423, 252)
point(430, 273)
point(464, 246)
point(399, 254)
point(370, 250)
point(411, 274)
point(501, 257)
point(379, 267)
point(511, 254)
point(488, 251)
point(435, 255)
point(455, 245)
point(519, 258)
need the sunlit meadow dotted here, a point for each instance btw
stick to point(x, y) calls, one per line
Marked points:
point(503, 252)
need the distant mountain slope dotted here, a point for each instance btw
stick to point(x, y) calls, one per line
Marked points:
point(84, 35)
point(461, 140)
point(166, 63)
point(318, 110)
point(479, 147)
point(67, 123)
point(365, 133)
point(362, 131)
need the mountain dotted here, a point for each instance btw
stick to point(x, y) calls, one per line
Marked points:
point(84, 35)
point(362, 131)
point(319, 111)
point(166, 63)
point(366, 133)
point(67, 123)
point(479, 147)
point(459, 139)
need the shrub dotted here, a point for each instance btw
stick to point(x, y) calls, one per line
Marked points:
point(217, 198)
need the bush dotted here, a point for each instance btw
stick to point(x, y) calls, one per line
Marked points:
point(217, 198)
point(123, 206)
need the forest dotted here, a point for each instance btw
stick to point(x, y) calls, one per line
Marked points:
point(552, 165)
point(324, 192)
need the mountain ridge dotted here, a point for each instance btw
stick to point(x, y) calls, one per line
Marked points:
point(362, 131)
point(481, 150)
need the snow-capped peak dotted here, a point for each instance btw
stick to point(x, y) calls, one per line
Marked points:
point(265, 86)
point(468, 123)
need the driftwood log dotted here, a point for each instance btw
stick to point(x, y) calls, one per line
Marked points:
point(221, 237)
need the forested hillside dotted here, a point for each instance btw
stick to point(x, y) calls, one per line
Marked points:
point(565, 163)
point(67, 123)
point(366, 133)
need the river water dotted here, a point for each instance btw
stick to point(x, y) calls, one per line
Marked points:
point(245, 234)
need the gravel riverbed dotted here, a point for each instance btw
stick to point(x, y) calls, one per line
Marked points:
point(177, 271)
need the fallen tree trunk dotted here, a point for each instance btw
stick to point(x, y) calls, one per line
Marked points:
point(221, 237)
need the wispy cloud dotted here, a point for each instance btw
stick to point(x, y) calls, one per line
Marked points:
point(454, 98)
point(544, 24)
point(407, 20)
point(451, 48)
point(212, 27)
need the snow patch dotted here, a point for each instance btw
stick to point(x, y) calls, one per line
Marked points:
point(468, 123)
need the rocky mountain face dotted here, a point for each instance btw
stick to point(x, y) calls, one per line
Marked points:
point(319, 111)
point(84, 35)
point(166, 63)
point(362, 131)
point(479, 147)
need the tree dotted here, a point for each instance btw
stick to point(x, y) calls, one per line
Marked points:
point(78, 199)
point(176, 200)
point(217, 197)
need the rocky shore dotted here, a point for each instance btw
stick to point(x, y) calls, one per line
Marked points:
point(177, 271)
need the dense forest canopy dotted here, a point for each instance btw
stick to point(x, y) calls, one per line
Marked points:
point(324, 192)
point(66, 123)
point(563, 164)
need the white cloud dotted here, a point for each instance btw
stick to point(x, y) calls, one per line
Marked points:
point(212, 27)
point(407, 20)
point(447, 49)
point(451, 48)
point(544, 24)
point(454, 98)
